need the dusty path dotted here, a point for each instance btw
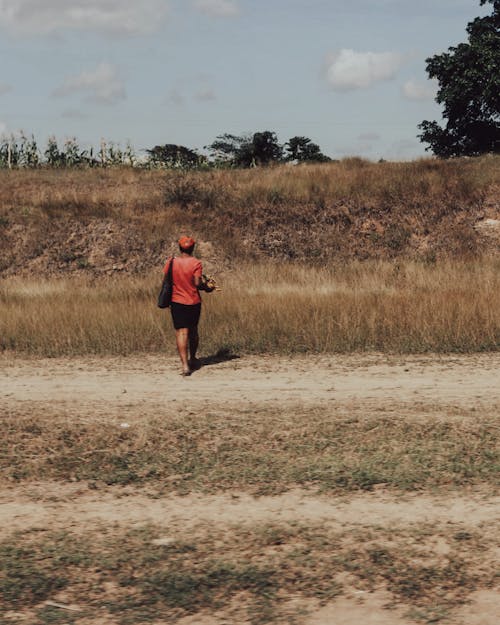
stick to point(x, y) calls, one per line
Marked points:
point(75, 506)
point(375, 380)
point(104, 389)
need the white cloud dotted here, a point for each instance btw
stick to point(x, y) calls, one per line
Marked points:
point(348, 70)
point(101, 85)
point(5, 88)
point(123, 17)
point(413, 90)
point(217, 8)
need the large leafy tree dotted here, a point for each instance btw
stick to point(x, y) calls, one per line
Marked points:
point(261, 148)
point(174, 156)
point(469, 90)
point(227, 149)
point(302, 149)
point(266, 148)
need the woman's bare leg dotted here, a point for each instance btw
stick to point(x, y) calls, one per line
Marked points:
point(181, 338)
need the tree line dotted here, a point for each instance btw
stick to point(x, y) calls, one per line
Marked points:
point(257, 149)
point(22, 151)
point(250, 150)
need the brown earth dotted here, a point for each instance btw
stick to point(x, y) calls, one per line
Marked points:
point(376, 381)
point(99, 247)
point(89, 390)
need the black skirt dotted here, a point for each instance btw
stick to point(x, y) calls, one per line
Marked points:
point(185, 315)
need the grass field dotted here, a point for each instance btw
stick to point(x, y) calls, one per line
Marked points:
point(258, 451)
point(125, 191)
point(402, 307)
point(111, 560)
point(260, 569)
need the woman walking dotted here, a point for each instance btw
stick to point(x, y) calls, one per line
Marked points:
point(187, 281)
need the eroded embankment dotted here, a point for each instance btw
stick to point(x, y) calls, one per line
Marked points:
point(108, 221)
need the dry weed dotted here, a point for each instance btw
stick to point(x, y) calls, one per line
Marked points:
point(127, 575)
point(350, 209)
point(258, 450)
point(403, 307)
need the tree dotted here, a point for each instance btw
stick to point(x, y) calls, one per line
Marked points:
point(72, 155)
point(53, 156)
point(29, 155)
point(469, 90)
point(19, 151)
point(261, 148)
point(115, 154)
point(9, 152)
point(229, 149)
point(174, 156)
point(129, 156)
point(302, 149)
point(266, 148)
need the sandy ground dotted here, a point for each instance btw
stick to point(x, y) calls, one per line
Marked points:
point(374, 380)
point(138, 386)
point(77, 506)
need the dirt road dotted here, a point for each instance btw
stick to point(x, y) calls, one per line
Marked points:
point(373, 380)
point(99, 389)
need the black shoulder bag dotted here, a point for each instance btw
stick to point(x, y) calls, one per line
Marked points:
point(165, 296)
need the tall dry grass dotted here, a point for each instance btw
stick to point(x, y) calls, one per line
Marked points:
point(75, 192)
point(268, 307)
point(126, 190)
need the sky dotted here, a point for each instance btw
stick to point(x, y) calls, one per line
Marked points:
point(348, 74)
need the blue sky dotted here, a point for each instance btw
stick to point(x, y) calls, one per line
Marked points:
point(349, 74)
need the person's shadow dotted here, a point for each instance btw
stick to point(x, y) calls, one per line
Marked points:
point(222, 355)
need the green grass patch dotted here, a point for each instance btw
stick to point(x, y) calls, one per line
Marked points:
point(258, 451)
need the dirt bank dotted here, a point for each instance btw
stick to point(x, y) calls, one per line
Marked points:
point(54, 222)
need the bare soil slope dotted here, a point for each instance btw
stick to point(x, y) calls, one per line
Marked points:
point(106, 221)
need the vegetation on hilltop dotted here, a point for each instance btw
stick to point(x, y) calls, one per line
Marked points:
point(18, 151)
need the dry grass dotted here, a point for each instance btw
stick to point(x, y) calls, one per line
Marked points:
point(246, 573)
point(97, 192)
point(405, 307)
point(423, 182)
point(257, 450)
